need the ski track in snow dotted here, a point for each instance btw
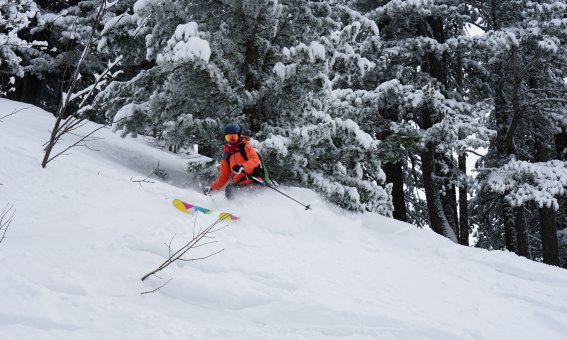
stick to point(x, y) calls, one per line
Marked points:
point(84, 234)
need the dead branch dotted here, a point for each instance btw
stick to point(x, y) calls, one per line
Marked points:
point(6, 219)
point(158, 288)
point(146, 180)
point(193, 243)
point(15, 111)
point(201, 258)
point(76, 143)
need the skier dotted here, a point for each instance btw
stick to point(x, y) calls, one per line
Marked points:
point(239, 160)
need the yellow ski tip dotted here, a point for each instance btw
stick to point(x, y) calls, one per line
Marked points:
point(227, 216)
point(181, 206)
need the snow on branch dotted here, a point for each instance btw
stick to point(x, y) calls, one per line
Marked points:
point(185, 45)
point(67, 122)
point(522, 182)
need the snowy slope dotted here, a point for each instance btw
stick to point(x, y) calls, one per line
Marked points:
point(84, 234)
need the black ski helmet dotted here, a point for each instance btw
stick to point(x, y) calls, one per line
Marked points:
point(232, 128)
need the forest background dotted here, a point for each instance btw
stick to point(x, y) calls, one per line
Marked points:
point(374, 104)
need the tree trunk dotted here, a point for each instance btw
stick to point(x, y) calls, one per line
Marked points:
point(51, 143)
point(509, 226)
point(393, 167)
point(433, 27)
point(464, 228)
point(522, 241)
point(548, 228)
point(437, 217)
point(427, 169)
point(394, 175)
point(561, 145)
point(463, 204)
point(549, 240)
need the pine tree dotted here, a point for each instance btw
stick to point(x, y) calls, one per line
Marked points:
point(423, 52)
point(266, 64)
point(16, 50)
point(526, 67)
point(63, 28)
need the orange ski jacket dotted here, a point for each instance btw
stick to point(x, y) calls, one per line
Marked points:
point(235, 158)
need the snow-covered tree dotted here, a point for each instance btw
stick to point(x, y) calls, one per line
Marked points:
point(15, 49)
point(269, 65)
point(526, 67)
point(420, 94)
point(66, 28)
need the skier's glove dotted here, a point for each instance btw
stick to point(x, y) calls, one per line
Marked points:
point(238, 168)
point(207, 190)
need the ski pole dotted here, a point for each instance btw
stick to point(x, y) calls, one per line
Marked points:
point(214, 202)
point(260, 181)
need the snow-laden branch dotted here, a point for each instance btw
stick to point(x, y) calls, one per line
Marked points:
point(67, 97)
point(100, 80)
point(523, 182)
point(66, 122)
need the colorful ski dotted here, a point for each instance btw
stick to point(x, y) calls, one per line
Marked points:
point(192, 209)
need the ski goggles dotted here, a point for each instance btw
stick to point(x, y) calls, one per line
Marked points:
point(231, 137)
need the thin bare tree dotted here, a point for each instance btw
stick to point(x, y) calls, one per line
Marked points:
point(66, 121)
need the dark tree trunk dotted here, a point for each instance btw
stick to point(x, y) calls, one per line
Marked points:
point(393, 167)
point(509, 227)
point(437, 217)
point(548, 228)
point(431, 192)
point(561, 145)
point(515, 230)
point(549, 236)
point(463, 204)
point(435, 67)
point(520, 226)
point(394, 174)
point(464, 228)
point(522, 241)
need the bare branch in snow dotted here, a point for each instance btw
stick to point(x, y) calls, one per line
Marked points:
point(158, 288)
point(6, 219)
point(15, 111)
point(156, 171)
point(195, 242)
